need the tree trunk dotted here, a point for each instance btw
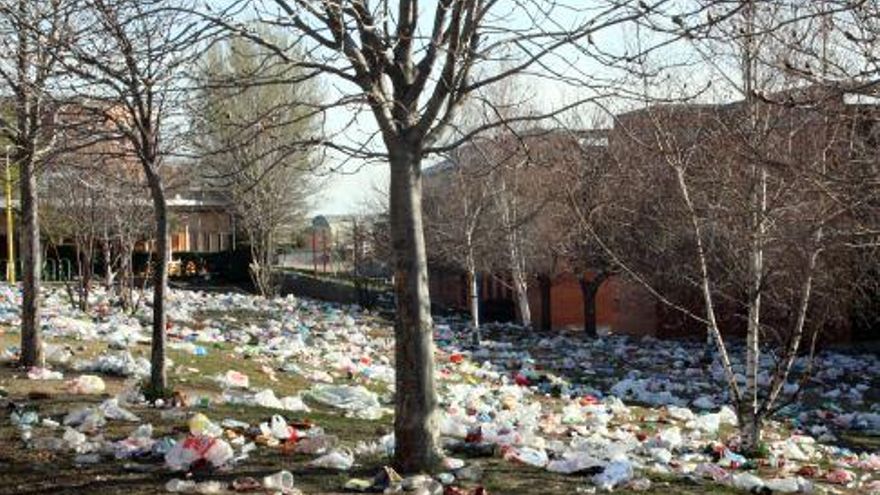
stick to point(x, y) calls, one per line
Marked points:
point(126, 280)
point(546, 285)
point(750, 429)
point(521, 296)
point(31, 340)
point(473, 293)
point(589, 291)
point(415, 420)
point(751, 433)
point(109, 275)
point(158, 377)
point(474, 303)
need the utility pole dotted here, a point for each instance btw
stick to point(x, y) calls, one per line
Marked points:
point(10, 243)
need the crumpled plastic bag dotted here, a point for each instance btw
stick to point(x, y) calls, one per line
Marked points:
point(234, 379)
point(37, 373)
point(746, 481)
point(278, 428)
point(339, 460)
point(200, 425)
point(85, 419)
point(358, 401)
point(86, 384)
point(267, 398)
point(117, 364)
point(616, 473)
point(526, 455)
point(139, 442)
point(112, 410)
point(215, 451)
point(57, 354)
point(572, 462)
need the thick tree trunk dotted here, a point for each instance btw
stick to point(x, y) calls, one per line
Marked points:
point(158, 377)
point(546, 286)
point(589, 291)
point(31, 340)
point(415, 420)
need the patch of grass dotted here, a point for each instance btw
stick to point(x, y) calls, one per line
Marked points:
point(867, 442)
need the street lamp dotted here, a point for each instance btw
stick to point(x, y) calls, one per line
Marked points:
point(10, 244)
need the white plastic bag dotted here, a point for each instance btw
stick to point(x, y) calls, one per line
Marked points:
point(616, 473)
point(339, 460)
point(86, 384)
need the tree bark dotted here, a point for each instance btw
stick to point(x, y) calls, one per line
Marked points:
point(158, 377)
point(474, 303)
point(31, 340)
point(415, 420)
point(473, 294)
point(521, 295)
point(589, 291)
point(750, 429)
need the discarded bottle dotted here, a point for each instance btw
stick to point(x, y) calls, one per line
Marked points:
point(281, 481)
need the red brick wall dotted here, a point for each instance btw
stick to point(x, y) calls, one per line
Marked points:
point(623, 306)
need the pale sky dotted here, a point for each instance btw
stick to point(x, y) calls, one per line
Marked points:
point(355, 185)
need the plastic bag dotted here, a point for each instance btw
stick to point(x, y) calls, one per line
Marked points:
point(840, 476)
point(278, 428)
point(358, 401)
point(117, 364)
point(572, 462)
point(747, 481)
point(86, 384)
point(317, 445)
point(267, 398)
point(339, 460)
point(234, 379)
point(200, 425)
point(183, 454)
point(37, 373)
point(526, 455)
point(112, 410)
point(615, 474)
point(73, 438)
point(85, 419)
point(783, 485)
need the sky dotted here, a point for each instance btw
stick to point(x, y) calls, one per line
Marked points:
point(355, 183)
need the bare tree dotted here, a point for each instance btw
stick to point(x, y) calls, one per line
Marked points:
point(128, 57)
point(760, 185)
point(589, 185)
point(74, 210)
point(98, 202)
point(30, 32)
point(456, 203)
point(247, 132)
point(413, 70)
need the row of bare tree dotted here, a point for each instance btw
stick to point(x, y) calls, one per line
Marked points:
point(748, 210)
point(399, 76)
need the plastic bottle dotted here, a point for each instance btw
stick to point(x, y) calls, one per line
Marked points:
point(281, 481)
